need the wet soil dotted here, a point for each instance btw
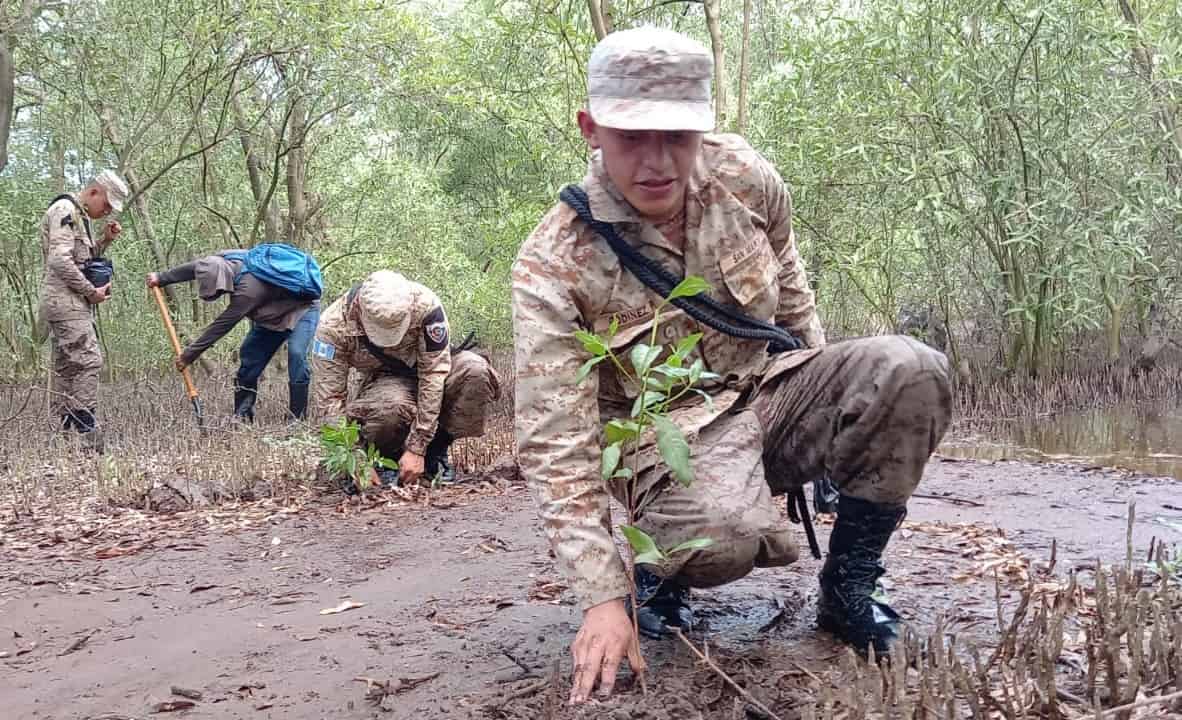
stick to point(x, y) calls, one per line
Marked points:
point(464, 615)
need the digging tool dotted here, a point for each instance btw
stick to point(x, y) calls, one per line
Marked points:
point(190, 388)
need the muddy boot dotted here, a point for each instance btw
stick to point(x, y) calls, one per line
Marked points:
point(435, 464)
point(851, 573)
point(244, 398)
point(87, 426)
point(662, 602)
point(298, 400)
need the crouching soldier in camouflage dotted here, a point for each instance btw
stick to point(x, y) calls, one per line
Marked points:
point(77, 279)
point(416, 396)
point(865, 413)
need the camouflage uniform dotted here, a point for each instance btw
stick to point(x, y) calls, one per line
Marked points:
point(867, 412)
point(67, 303)
point(428, 390)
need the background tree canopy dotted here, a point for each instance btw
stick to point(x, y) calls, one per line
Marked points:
point(1011, 168)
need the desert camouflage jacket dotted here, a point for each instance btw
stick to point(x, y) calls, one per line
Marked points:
point(738, 236)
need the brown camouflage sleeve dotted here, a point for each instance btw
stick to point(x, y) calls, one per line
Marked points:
point(557, 424)
point(331, 360)
point(433, 365)
point(60, 256)
point(798, 307)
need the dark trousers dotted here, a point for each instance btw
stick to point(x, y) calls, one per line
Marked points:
point(260, 345)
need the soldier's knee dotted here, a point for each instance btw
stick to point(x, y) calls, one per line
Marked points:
point(733, 558)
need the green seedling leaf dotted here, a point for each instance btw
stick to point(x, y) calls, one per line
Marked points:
point(644, 547)
point(609, 460)
point(709, 400)
point(675, 451)
point(696, 371)
point(619, 431)
point(692, 285)
point(660, 384)
point(674, 372)
point(695, 544)
point(622, 474)
point(687, 344)
point(642, 357)
point(588, 367)
point(615, 325)
point(592, 343)
point(646, 400)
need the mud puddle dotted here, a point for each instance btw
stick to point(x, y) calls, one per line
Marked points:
point(1143, 439)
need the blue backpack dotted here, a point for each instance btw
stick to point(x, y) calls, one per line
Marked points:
point(283, 266)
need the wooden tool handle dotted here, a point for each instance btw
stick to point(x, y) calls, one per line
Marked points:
point(190, 388)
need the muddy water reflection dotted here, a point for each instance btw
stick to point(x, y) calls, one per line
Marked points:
point(1147, 440)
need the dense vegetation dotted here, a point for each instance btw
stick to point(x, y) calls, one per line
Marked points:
point(1013, 168)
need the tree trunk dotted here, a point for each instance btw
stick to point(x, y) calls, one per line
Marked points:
point(714, 25)
point(744, 68)
point(270, 212)
point(600, 18)
point(297, 198)
point(1156, 340)
point(7, 97)
point(1166, 117)
point(57, 170)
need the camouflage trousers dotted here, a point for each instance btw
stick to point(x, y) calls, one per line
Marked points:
point(386, 406)
point(77, 361)
point(869, 412)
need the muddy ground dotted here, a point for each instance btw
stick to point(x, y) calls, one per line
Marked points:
point(464, 612)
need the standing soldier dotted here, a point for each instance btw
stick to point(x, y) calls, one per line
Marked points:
point(416, 395)
point(864, 414)
point(77, 279)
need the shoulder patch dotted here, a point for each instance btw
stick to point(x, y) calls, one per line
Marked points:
point(321, 349)
point(435, 329)
point(68, 221)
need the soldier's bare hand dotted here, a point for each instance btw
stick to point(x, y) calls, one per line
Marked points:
point(179, 364)
point(113, 230)
point(153, 280)
point(101, 294)
point(411, 467)
point(604, 641)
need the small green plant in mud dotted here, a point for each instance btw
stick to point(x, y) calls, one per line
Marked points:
point(661, 376)
point(345, 459)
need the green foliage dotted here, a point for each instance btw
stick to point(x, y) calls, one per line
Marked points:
point(343, 458)
point(1005, 164)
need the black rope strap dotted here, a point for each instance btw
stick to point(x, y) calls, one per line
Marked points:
point(702, 308)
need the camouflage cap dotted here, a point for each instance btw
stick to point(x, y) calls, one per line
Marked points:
point(386, 301)
point(115, 188)
point(650, 79)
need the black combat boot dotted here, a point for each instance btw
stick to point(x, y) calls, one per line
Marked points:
point(68, 421)
point(297, 394)
point(851, 573)
point(244, 398)
point(662, 602)
point(87, 426)
point(435, 463)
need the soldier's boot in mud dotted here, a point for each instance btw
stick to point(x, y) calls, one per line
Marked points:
point(850, 576)
point(297, 394)
point(244, 398)
point(87, 426)
point(662, 602)
point(435, 462)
